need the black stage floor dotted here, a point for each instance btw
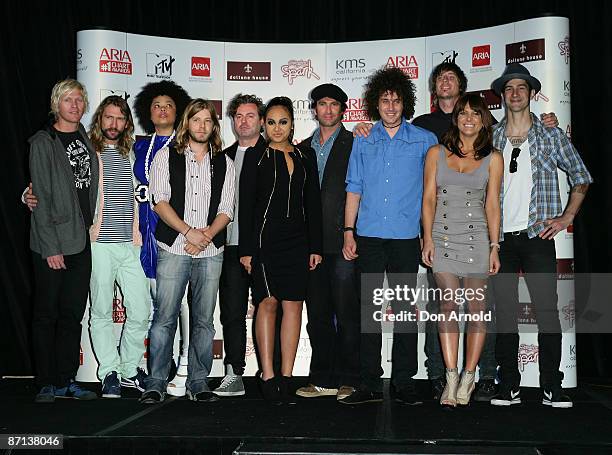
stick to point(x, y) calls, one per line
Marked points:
point(248, 425)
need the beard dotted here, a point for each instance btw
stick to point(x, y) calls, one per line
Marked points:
point(197, 140)
point(108, 134)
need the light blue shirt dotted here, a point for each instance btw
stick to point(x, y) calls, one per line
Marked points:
point(388, 174)
point(323, 151)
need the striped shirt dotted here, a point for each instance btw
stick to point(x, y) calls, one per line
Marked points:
point(197, 195)
point(118, 209)
point(549, 149)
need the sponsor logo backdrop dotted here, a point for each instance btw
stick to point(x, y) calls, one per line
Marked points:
point(115, 62)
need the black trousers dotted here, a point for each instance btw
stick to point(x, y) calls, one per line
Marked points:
point(537, 259)
point(60, 297)
point(333, 323)
point(392, 256)
point(233, 304)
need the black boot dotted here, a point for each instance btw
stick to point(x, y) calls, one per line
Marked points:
point(286, 391)
point(270, 390)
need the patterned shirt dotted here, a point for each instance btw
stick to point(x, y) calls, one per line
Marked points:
point(197, 195)
point(323, 151)
point(549, 149)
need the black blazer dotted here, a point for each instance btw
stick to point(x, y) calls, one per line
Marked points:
point(232, 149)
point(333, 189)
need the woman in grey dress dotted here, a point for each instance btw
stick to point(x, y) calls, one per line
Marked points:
point(461, 223)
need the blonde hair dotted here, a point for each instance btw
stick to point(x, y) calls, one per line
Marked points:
point(182, 131)
point(95, 130)
point(63, 87)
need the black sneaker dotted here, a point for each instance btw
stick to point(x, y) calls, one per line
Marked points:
point(554, 396)
point(135, 382)
point(205, 396)
point(485, 390)
point(111, 388)
point(437, 387)
point(362, 396)
point(507, 397)
point(407, 395)
point(152, 397)
point(46, 394)
point(74, 391)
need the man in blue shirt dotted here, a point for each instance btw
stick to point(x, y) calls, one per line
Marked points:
point(382, 225)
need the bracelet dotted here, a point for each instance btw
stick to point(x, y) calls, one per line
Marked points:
point(187, 232)
point(496, 245)
point(348, 228)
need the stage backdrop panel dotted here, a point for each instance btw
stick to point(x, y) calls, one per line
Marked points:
point(110, 62)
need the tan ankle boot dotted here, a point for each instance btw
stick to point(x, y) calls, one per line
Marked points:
point(449, 395)
point(466, 387)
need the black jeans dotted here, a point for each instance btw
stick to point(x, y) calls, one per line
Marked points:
point(233, 304)
point(60, 297)
point(333, 323)
point(537, 259)
point(487, 365)
point(393, 256)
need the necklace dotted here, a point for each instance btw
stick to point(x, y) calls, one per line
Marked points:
point(147, 165)
point(392, 126)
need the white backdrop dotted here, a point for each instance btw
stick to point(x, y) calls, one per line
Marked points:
point(111, 62)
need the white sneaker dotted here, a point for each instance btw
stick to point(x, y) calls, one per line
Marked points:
point(177, 387)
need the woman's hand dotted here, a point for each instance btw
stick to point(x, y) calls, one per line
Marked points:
point(427, 255)
point(246, 263)
point(315, 260)
point(494, 263)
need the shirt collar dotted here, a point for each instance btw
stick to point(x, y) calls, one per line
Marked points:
point(379, 133)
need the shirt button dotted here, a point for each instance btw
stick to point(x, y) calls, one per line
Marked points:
point(385, 199)
point(471, 237)
point(471, 226)
point(444, 215)
point(445, 237)
point(387, 180)
point(388, 164)
point(444, 190)
point(445, 255)
point(469, 215)
point(468, 192)
point(471, 248)
point(446, 228)
point(443, 202)
point(445, 243)
point(471, 260)
point(468, 204)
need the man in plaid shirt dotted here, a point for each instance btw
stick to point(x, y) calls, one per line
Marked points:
point(531, 217)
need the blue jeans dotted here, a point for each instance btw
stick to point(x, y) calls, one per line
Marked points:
point(173, 274)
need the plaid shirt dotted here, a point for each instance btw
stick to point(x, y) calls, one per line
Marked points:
point(549, 149)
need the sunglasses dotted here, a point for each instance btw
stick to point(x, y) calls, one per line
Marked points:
point(513, 160)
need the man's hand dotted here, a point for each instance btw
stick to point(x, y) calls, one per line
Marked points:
point(197, 238)
point(349, 250)
point(30, 199)
point(315, 260)
point(207, 233)
point(362, 129)
point(56, 262)
point(554, 226)
point(549, 120)
point(191, 249)
point(246, 263)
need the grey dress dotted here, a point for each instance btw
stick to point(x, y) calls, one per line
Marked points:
point(460, 233)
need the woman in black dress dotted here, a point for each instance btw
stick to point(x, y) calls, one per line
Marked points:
point(280, 238)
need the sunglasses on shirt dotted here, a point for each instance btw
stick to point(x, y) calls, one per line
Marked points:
point(513, 160)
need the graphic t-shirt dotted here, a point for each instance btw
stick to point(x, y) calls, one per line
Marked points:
point(78, 156)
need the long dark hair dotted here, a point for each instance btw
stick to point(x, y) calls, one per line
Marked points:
point(483, 145)
point(285, 102)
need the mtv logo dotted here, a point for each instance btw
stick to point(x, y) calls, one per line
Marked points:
point(443, 57)
point(159, 65)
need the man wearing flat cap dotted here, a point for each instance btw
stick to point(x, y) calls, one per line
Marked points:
point(532, 215)
point(332, 291)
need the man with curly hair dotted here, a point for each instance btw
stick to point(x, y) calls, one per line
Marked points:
point(382, 225)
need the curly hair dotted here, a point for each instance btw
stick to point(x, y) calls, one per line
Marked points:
point(443, 68)
point(241, 99)
point(182, 131)
point(95, 129)
point(142, 102)
point(389, 80)
point(483, 145)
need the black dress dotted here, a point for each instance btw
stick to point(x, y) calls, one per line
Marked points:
point(280, 221)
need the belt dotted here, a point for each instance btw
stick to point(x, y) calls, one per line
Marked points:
point(516, 233)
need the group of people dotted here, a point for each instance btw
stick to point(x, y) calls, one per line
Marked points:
point(322, 222)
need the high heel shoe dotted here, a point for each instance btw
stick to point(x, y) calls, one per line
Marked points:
point(286, 393)
point(466, 387)
point(270, 390)
point(449, 395)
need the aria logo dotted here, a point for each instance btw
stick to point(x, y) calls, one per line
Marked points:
point(449, 56)
point(564, 49)
point(298, 68)
point(159, 65)
point(355, 111)
point(408, 64)
point(481, 55)
point(200, 66)
point(115, 61)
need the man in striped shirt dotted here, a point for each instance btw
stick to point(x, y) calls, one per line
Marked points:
point(192, 190)
point(115, 252)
